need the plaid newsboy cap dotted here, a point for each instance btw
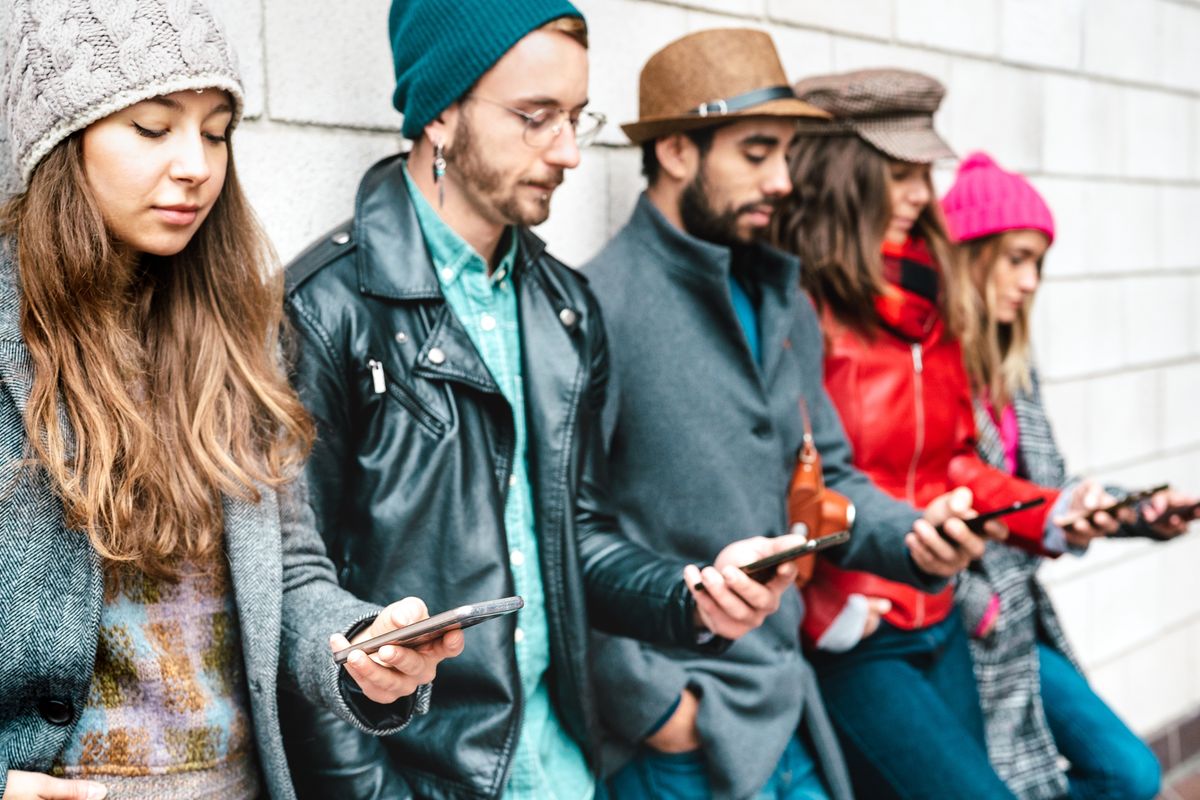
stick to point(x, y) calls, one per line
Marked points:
point(890, 109)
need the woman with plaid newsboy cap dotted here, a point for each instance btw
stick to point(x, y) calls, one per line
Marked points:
point(893, 662)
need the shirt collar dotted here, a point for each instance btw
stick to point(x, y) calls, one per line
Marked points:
point(451, 254)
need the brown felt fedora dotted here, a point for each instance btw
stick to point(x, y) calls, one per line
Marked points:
point(710, 77)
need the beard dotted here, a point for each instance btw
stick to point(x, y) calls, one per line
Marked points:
point(704, 222)
point(484, 185)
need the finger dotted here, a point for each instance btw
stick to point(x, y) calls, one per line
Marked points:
point(939, 547)
point(48, 788)
point(1105, 523)
point(780, 543)
point(727, 607)
point(752, 593)
point(995, 530)
point(338, 642)
point(961, 502)
point(879, 605)
point(403, 612)
point(785, 575)
point(404, 660)
point(379, 683)
point(448, 646)
point(925, 560)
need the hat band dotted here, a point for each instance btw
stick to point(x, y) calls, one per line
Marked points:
point(740, 102)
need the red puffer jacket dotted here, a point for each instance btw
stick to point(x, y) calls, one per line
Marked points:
point(905, 401)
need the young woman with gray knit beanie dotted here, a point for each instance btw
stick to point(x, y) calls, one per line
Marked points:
point(158, 562)
point(1037, 705)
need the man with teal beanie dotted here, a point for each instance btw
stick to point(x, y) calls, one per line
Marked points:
point(455, 371)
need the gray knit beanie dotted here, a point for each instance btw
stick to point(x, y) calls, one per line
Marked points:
point(69, 63)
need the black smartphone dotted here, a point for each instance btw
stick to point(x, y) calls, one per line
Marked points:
point(1130, 499)
point(764, 569)
point(436, 626)
point(975, 524)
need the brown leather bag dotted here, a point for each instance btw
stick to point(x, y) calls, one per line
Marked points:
point(822, 511)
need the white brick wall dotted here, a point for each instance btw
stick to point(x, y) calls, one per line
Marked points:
point(1099, 100)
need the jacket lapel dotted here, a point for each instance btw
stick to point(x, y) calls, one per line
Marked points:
point(252, 541)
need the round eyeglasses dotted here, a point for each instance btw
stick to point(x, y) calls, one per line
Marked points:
point(544, 126)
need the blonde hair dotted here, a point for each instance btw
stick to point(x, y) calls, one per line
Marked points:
point(166, 370)
point(574, 27)
point(997, 355)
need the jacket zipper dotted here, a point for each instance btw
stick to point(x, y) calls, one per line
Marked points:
point(400, 393)
point(911, 487)
point(377, 381)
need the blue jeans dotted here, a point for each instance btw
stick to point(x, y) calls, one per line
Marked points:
point(906, 710)
point(684, 776)
point(1107, 759)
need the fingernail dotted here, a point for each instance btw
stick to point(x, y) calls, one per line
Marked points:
point(97, 791)
point(356, 657)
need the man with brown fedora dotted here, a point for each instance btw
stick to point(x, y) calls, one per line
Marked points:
point(713, 353)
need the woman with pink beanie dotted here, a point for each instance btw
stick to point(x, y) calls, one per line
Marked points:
point(1037, 705)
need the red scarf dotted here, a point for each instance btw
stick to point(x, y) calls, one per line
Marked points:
point(908, 305)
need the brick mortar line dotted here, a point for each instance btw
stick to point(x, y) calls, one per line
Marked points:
point(1153, 272)
point(765, 18)
point(1148, 366)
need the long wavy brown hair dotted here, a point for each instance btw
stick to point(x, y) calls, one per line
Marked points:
point(997, 354)
point(835, 219)
point(166, 371)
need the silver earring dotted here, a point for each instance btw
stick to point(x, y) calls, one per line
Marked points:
point(439, 172)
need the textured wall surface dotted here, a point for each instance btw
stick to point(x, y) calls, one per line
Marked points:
point(1099, 100)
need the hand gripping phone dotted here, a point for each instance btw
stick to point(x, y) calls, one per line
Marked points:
point(436, 626)
point(975, 524)
point(764, 569)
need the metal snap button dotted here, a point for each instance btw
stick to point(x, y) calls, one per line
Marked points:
point(341, 237)
point(437, 356)
point(568, 317)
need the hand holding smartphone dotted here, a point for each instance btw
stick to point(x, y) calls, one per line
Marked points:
point(1126, 501)
point(763, 570)
point(975, 524)
point(436, 626)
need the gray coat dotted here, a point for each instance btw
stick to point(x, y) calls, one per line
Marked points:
point(702, 446)
point(51, 585)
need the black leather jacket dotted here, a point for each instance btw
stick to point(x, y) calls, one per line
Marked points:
point(408, 485)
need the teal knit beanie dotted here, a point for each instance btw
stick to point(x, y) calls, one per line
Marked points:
point(441, 47)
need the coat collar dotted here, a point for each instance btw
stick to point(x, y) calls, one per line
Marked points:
point(700, 261)
point(393, 260)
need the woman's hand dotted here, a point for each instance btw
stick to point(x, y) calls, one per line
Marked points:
point(1085, 521)
point(394, 671)
point(37, 786)
point(1171, 525)
point(932, 553)
point(877, 608)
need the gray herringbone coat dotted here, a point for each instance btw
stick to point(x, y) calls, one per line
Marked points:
point(51, 585)
point(1020, 744)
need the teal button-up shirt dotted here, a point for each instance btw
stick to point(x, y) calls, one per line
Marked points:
point(547, 762)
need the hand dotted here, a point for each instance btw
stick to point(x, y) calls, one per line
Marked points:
point(36, 786)
point(876, 608)
point(678, 734)
point(1084, 522)
point(934, 555)
point(732, 603)
point(394, 671)
point(1174, 525)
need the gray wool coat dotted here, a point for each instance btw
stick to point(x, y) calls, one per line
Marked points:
point(51, 584)
point(702, 445)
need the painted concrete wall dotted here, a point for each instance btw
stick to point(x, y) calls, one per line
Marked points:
point(1099, 100)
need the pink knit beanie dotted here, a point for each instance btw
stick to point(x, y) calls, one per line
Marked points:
point(986, 199)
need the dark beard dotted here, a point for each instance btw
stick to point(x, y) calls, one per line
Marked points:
point(707, 224)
